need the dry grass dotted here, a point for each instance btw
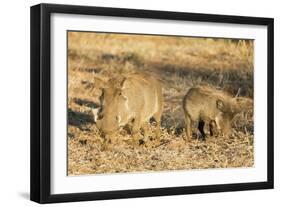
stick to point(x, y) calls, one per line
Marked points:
point(181, 63)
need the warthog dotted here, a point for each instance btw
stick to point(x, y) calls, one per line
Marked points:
point(133, 100)
point(213, 107)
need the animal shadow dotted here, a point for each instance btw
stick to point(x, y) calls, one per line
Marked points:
point(87, 103)
point(79, 119)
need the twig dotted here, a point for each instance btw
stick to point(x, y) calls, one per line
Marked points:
point(163, 143)
point(97, 147)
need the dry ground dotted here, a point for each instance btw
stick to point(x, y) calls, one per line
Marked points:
point(181, 63)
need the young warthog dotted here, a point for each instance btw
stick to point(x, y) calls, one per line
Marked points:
point(131, 99)
point(213, 107)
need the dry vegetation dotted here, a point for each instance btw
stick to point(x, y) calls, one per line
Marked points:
point(181, 62)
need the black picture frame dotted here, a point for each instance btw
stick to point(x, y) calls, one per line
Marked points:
point(41, 99)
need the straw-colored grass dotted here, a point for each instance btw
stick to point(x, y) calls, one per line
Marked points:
point(181, 62)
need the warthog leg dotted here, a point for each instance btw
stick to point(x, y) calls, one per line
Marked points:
point(188, 127)
point(145, 129)
point(135, 131)
point(157, 118)
point(201, 129)
point(213, 128)
point(108, 142)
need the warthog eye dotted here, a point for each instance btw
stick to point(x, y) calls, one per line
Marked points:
point(100, 116)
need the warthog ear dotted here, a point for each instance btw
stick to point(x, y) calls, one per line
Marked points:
point(220, 105)
point(122, 84)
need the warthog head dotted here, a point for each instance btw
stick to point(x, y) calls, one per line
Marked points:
point(229, 110)
point(113, 112)
point(234, 106)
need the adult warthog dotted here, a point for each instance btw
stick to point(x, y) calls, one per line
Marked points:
point(213, 107)
point(133, 100)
